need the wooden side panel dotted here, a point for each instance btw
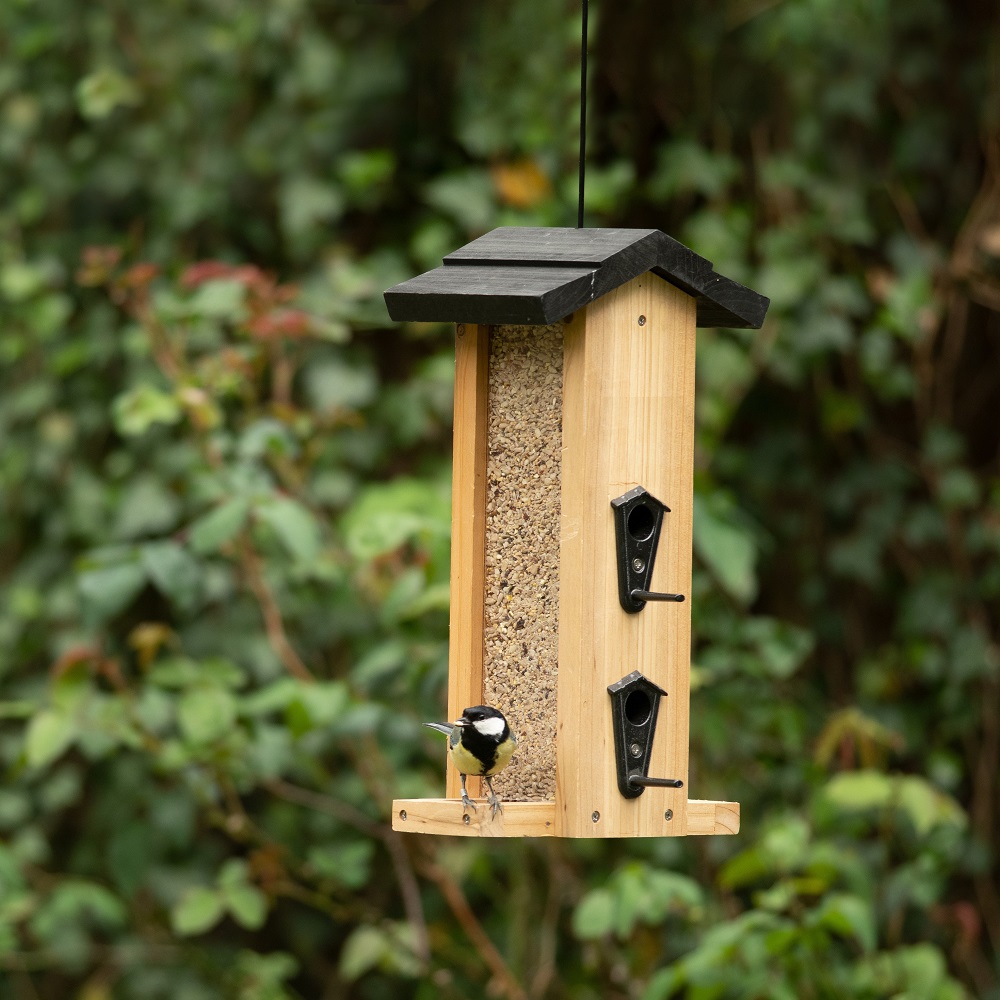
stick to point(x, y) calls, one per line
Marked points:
point(628, 420)
point(468, 531)
point(445, 817)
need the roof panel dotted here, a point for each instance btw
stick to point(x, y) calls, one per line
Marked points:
point(539, 275)
point(586, 247)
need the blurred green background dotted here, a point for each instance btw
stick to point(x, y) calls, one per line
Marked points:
point(224, 494)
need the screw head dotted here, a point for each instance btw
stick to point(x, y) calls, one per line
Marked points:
point(460, 330)
point(642, 321)
point(635, 750)
point(466, 819)
point(595, 816)
point(402, 815)
point(638, 565)
point(668, 815)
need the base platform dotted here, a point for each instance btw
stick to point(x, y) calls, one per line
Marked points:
point(538, 819)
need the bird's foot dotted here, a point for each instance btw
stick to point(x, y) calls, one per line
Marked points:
point(495, 804)
point(467, 803)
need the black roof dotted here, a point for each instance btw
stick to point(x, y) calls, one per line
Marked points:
point(537, 276)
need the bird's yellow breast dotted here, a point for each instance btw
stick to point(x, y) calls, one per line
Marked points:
point(504, 753)
point(468, 763)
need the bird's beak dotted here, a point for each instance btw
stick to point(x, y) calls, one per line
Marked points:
point(461, 722)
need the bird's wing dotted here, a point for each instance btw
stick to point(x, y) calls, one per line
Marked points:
point(441, 727)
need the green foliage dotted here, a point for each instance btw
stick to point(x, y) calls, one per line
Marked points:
point(224, 498)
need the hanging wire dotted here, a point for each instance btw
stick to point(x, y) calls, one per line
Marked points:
point(583, 112)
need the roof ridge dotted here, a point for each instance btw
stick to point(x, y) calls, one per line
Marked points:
point(536, 275)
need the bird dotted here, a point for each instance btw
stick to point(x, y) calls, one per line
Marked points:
point(480, 742)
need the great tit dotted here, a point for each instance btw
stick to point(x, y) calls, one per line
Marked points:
point(479, 743)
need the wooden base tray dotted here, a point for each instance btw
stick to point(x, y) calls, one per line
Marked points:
point(538, 819)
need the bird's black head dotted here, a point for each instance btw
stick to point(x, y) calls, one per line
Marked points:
point(486, 721)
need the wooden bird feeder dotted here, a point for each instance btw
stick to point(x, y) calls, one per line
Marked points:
point(571, 523)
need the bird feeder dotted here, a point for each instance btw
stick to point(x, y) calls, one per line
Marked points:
point(571, 522)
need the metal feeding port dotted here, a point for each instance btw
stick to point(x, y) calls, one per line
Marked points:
point(635, 702)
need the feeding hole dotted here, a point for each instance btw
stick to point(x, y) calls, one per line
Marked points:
point(640, 522)
point(638, 708)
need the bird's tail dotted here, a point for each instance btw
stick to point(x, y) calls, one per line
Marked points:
point(441, 727)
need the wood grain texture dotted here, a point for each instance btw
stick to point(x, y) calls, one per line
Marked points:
point(445, 817)
point(708, 819)
point(628, 420)
point(468, 531)
point(551, 245)
point(492, 294)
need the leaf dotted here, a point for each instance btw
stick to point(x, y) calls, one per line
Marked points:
point(467, 196)
point(234, 872)
point(594, 917)
point(261, 976)
point(333, 386)
point(325, 701)
point(926, 806)
point(198, 910)
point(362, 952)
point(106, 590)
point(104, 90)
point(76, 902)
point(219, 526)
point(521, 183)
point(347, 863)
point(725, 546)
point(272, 697)
point(859, 790)
point(138, 409)
point(173, 571)
point(685, 165)
point(294, 525)
point(267, 437)
point(386, 516)
point(146, 507)
point(306, 202)
point(49, 735)
point(247, 905)
point(206, 713)
point(19, 280)
point(390, 948)
point(664, 984)
point(219, 299)
point(848, 916)
point(129, 853)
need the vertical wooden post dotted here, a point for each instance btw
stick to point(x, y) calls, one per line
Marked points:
point(468, 530)
point(628, 420)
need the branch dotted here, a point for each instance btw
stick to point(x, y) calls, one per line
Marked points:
point(274, 624)
point(459, 906)
point(343, 811)
point(409, 889)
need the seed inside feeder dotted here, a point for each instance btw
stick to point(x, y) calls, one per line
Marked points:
point(521, 643)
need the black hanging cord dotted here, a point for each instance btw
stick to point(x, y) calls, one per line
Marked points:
point(583, 112)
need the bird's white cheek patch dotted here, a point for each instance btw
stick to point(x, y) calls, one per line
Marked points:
point(489, 727)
